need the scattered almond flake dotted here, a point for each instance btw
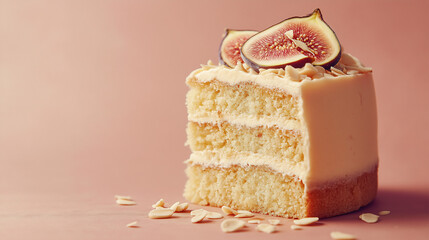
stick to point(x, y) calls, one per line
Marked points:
point(204, 202)
point(123, 197)
point(369, 217)
point(133, 225)
point(229, 211)
point(174, 206)
point(244, 211)
point(274, 221)
point(244, 215)
point(337, 72)
point(214, 215)
point(257, 221)
point(306, 221)
point(266, 228)
point(198, 211)
point(161, 213)
point(161, 208)
point(231, 225)
point(199, 217)
point(210, 62)
point(160, 203)
point(342, 236)
point(125, 202)
point(295, 227)
point(182, 207)
point(382, 213)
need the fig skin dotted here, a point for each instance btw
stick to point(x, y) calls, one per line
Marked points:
point(324, 49)
point(233, 37)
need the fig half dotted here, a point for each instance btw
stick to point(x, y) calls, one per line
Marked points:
point(229, 51)
point(294, 41)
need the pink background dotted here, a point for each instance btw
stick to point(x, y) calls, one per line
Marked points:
point(92, 105)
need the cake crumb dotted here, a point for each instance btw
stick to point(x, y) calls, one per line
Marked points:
point(231, 225)
point(383, 213)
point(295, 227)
point(133, 225)
point(369, 217)
point(160, 203)
point(342, 236)
point(161, 213)
point(229, 211)
point(274, 221)
point(306, 221)
point(266, 228)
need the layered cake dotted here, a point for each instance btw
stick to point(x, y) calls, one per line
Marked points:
point(295, 137)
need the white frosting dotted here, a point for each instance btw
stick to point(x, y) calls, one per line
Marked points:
point(338, 116)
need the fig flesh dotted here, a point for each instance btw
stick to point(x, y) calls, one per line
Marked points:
point(229, 51)
point(294, 41)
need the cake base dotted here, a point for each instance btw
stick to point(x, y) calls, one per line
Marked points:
point(258, 189)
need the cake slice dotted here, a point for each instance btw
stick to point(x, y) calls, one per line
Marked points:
point(294, 141)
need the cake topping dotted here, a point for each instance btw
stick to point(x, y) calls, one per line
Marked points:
point(229, 51)
point(294, 41)
point(306, 221)
point(231, 225)
point(369, 217)
point(266, 228)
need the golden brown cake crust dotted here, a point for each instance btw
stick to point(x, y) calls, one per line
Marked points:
point(343, 197)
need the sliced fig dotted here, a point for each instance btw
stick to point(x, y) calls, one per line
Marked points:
point(229, 51)
point(294, 41)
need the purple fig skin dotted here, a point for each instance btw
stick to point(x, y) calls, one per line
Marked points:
point(227, 32)
point(328, 37)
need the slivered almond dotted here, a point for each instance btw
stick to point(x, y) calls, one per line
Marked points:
point(161, 213)
point(383, 213)
point(231, 225)
point(199, 217)
point(182, 207)
point(266, 228)
point(253, 221)
point(198, 211)
point(174, 206)
point(160, 203)
point(244, 215)
point(229, 211)
point(342, 236)
point(274, 221)
point(125, 202)
point(369, 217)
point(306, 221)
point(295, 227)
point(214, 215)
point(133, 225)
point(123, 197)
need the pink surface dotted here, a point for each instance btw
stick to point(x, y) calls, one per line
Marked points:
point(92, 105)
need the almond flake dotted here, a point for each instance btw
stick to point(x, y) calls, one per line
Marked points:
point(369, 217)
point(161, 213)
point(133, 225)
point(125, 202)
point(161, 208)
point(244, 215)
point(295, 227)
point(214, 215)
point(253, 221)
point(160, 203)
point(229, 211)
point(198, 211)
point(306, 221)
point(174, 206)
point(123, 197)
point(342, 236)
point(199, 217)
point(274, 221)
point(382, 213)
point(231, 225)
point(182, 207)
point(266, 228)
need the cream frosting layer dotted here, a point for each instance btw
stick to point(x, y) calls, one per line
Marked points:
point(338, 118)
point(225, 160)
